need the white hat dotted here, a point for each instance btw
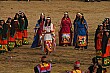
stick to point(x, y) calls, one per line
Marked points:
point(80, 14)
point(66, 13)
point(42, 14)
point(20, 12)
point(100, 24)
point(48, 18)
point(77, 12)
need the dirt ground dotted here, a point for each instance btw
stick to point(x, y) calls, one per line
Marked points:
point(23, 59)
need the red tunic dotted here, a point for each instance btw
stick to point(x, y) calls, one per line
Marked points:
point(65, 29)
point(11, 39)
point(25, 34)
point(99, 41)
point(41, 28)
point(65, 25)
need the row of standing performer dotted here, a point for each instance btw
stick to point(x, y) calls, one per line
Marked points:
point(45, 33)
point(13, 32)
point(102, 42)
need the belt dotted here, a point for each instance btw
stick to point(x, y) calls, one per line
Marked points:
point(48, 33)
point(80, 27)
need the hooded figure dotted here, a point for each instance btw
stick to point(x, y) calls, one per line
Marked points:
point(5, 31)
point(11, 32)
point(18, 32)
point(105, 39)
point(107, 22)
point(106, 48)
point(23, 21)
point(23, 27)
point(98, 37)
point(4, 41)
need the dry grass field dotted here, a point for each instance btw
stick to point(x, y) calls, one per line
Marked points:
point(23, 59)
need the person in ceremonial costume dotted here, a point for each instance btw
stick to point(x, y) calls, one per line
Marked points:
point(1, 30)
point(98, 40)
point(96, 67)
point(44, 67)
point(76, 68)
point(106, 48)
point(75, 29)
point(8, 22)
point(17, 22)
point(48, 36)
point(15, 26)
point(11, 39)
point(4, 41)
point(107, 22)
point(23, 26)
point(65, 35)
point(17, 34)
point(82, 32)
point(38, 31)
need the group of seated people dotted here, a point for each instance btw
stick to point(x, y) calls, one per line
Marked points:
point(13, 32)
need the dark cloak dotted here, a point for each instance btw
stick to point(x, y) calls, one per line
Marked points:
point(104, 42)
point(5, 31)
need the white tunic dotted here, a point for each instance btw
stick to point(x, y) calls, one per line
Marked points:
point(48, 34)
